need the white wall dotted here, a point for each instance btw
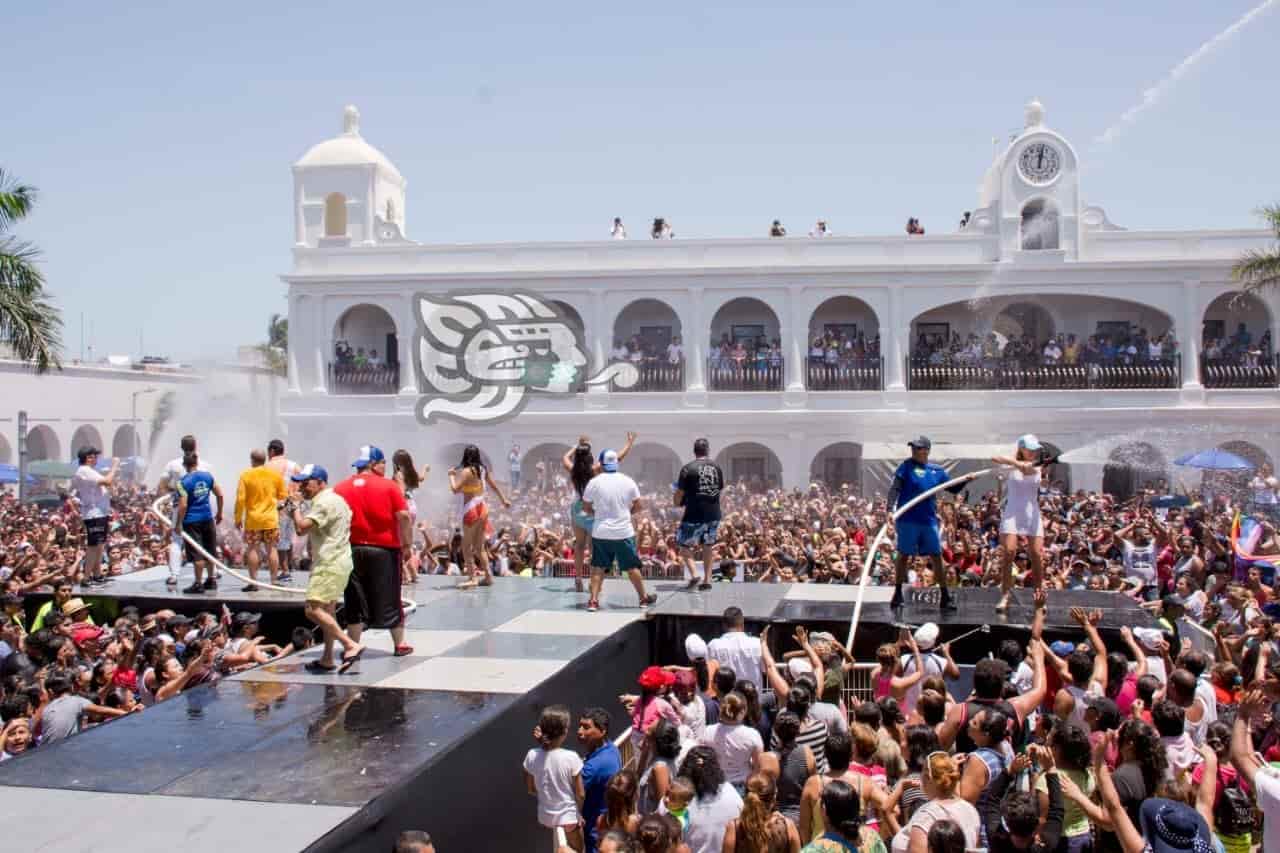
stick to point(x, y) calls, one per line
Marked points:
point(744, 312)
point(645, 312)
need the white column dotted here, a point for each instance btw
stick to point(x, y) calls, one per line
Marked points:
point(299, 217)
point(404, 346)
point(695, 344)
point(597, 329)
point(368, 210)
point(794, 342)
point(891, 338)
point(1189, 336)
point(323, 346)
point(294, 376)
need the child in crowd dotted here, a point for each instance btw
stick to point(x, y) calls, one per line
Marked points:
point(554, 775)
point(679, 795)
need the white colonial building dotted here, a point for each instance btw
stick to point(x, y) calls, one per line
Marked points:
point(908, 324)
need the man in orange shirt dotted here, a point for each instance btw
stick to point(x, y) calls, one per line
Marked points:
point(258, 495)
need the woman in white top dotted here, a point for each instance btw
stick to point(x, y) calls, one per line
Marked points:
point(939, 781)
point(738, 746)
point(1020, 514)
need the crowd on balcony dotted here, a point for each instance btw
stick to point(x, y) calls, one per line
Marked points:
point(356, 358)
point(1062, 349)
point(746, 354)
point(835, 347)
point(1240, 348)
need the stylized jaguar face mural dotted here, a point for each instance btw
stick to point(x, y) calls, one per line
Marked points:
point(480, 355)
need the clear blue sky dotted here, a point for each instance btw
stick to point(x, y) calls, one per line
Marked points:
point(161, 138)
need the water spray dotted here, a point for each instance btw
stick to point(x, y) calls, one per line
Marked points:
point(884, 528)
point(157, 509)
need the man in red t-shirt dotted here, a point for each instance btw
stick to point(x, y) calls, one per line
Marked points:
point(381, 536)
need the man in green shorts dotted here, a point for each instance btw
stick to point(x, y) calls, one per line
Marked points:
point(328, 527)
point(611, 497)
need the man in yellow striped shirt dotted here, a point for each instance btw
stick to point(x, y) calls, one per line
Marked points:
point(258, 495)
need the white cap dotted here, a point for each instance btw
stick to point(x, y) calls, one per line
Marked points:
point(926, 635)
point(1028, 442)
point(695, 647)
point(1148, 637)
point(798, 667)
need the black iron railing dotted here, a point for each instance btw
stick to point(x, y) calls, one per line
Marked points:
point(1238, 373)
point(727, 374)
point(922, 375)
point(855, 374)
point(657, 374)
point(363, 379)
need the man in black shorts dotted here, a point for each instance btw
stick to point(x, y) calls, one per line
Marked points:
point(698, 490)
point(197, 519)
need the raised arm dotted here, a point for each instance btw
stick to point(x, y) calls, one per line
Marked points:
point(626, 448)
point(902, 682)
point(779, 684)
point(1088, 621)
point(1026, 703)
point(1134, 649)
point(1254, 704)
point(488, 478)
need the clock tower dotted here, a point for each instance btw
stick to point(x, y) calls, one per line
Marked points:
point(1031, 195)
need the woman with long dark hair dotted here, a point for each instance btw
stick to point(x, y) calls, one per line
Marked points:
point(582, 465)
point(715, 803)
point(664, 738)
point(469, 480)
point(761, 828)
point(842, 817)
point(407, 478)
point(620, 804)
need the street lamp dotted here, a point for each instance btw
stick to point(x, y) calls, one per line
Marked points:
point(133, 418)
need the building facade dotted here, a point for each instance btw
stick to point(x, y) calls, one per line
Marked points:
point(805, 357)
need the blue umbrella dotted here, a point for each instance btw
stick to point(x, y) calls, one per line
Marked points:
point(1216, 459)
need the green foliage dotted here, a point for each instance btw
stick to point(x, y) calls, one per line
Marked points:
point(1259, 270)
point(29, 322)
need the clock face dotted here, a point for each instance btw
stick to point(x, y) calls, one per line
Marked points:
point(1039, 163)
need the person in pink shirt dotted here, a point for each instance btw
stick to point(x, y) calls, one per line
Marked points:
point(651, 705)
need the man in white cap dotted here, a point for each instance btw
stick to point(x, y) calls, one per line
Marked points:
point(611, 497)
point(926, 637)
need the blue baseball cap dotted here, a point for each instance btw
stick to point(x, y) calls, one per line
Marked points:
point(367, 456)
point(311, 472)
point(1029, 442)
point(609, 460)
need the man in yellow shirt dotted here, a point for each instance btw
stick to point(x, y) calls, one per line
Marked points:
point(258, 495)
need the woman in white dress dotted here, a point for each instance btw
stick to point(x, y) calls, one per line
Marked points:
point(1020, 514)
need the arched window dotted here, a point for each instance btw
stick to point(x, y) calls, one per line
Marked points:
point(1039, 226)
point(335, 215)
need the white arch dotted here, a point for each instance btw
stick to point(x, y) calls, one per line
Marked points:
point(6, 451)
point(125, 442)
point(752, 462)
point(42, 443)
point(643, 312)
point(86, 435)
point(838, 463)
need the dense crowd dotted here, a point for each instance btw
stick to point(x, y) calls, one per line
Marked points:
point(1144, 745)
point(1024, 351)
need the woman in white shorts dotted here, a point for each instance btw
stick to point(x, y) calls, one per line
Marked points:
point(1020, 514)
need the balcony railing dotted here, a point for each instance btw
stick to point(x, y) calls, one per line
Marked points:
point(855, 374)
point(363, 379)
point(727, 374)
point(924, 376)
point(657, 374)
point(1235, 373)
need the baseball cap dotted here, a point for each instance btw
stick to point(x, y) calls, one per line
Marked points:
point(86, 451)
point(920, 443)
point(609, 460)
point(926, 635)
point(1062, 648)
point(367, 455)
point(86, 635)
point(311, 471)
point(695, 647)
point(244, 617)
point(1028, 442)
point(654, 677)
point(798, 667)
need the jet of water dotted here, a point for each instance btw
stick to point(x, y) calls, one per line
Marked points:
point(1156, 93)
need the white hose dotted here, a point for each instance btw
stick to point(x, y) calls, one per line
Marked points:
point(409, 605)
point(875, 545)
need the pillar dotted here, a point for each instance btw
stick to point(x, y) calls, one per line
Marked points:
point(1190, 336)
point(597, 329)
point(299, 216)
point(321, 347)
point(693, 326)
point(369, 205)
point(404, 347)
point(794, 335)
point(891, 343)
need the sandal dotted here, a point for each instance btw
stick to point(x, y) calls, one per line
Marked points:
point(349, 661)
point(402, 651)
point(316, 668)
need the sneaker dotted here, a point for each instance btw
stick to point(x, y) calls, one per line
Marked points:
point(704, 586)
point(593, 606)
point(194, 589)
point(648, 600)
point(211, 585)
point(253, 587)
point(285, 578)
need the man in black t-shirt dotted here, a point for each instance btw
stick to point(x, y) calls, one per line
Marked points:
point(698, 490)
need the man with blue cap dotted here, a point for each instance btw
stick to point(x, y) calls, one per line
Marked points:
point(918, 533)
point(327, 524)
point(612, 497)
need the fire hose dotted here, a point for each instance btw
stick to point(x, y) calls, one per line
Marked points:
point(157, 510)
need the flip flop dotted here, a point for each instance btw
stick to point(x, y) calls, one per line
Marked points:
point(316, 668)
point(349, 660)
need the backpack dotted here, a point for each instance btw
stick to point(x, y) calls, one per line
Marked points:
point(1233, 814)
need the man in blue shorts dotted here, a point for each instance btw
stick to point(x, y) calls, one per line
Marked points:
point(918, 527)
point(698, 488)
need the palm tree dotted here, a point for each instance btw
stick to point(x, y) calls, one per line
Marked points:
point(1260, 270)
point(275, 351)
point(29, 323)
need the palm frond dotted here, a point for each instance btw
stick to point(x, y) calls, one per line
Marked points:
point(1270, 214)
point(1257, 270)
point(16, 200)
point(32, 327)
point(18, 268)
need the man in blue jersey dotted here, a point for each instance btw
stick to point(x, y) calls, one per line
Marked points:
point(918, 527)
point(198, 520)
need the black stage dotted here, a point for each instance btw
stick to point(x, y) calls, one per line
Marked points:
point(278, 759)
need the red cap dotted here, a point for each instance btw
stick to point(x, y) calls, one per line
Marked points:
point(86, 635)
point(655, 677)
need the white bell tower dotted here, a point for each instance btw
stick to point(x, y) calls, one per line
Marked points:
point(347, 193)
point(1031, 194)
